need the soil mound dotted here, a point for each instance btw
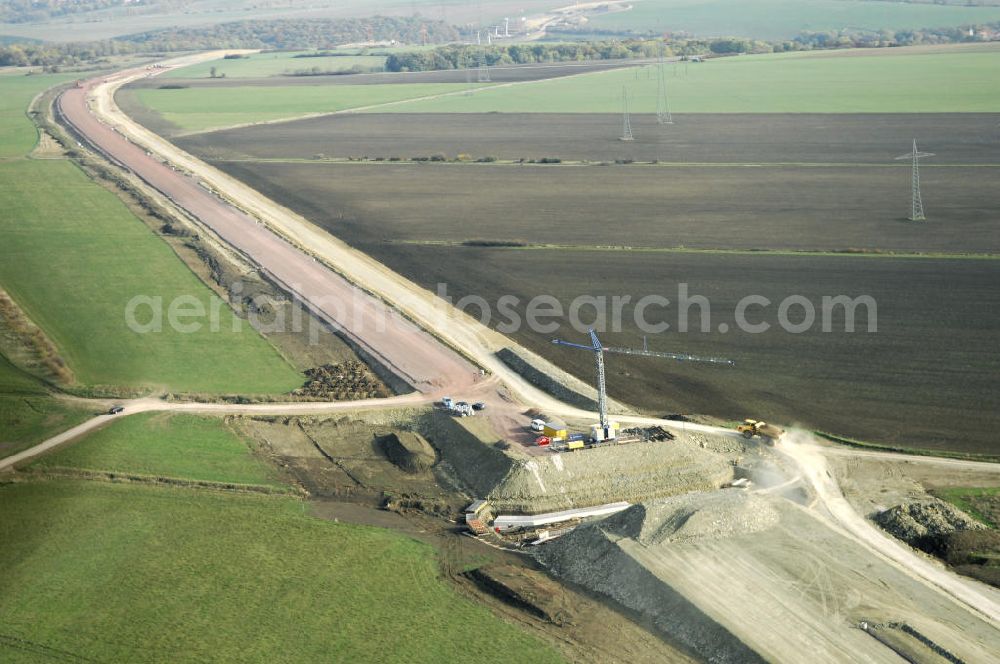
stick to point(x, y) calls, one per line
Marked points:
point(408, 450)
point(921, 522)
point(930, 518)
point(340, 382)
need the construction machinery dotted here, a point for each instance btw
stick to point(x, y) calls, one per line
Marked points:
point(766, 432)
point(605, 429)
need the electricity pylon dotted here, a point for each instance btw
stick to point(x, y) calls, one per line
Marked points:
point(916, 202)
point(662, 104)
point(483, 75)
point(626, 122)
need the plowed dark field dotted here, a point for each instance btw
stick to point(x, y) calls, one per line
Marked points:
point(926, 378)
point(776, 207)
point(955, 138)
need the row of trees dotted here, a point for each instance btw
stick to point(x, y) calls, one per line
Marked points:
point(60, 55)
point(885, 38)
point(462, 56)
point(297, 34)
point(279, 35)
point(329, 33)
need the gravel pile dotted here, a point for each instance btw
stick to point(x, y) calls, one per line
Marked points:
point(598, 557)
point(340, 382)
point(408, 450)
point(918, 522)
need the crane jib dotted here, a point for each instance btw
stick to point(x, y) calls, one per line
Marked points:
point(683, 357)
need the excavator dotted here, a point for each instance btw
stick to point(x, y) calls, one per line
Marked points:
point(766, 432)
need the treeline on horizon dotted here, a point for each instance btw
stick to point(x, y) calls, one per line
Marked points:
point(303, 34)
point(460, 56)
point(281, 34)
point(33, 11)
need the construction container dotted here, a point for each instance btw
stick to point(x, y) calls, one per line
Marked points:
point(599, 434)
point(576, 445)
point(555, 429)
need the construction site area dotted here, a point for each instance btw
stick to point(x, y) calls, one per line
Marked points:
point(623, 497)
point(705, 537)
point(727, 542)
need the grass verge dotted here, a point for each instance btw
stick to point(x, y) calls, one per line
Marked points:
point(17, 134)
point(166, 445)
point(74, 260)
point(131, 573)
point(200, 109)
point(981, 502)
point(28, 414)
point(915, 451)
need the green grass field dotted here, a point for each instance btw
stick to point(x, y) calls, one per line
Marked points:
point(982, 502)
point(73, 256)
point(127, 573)
point(783, 19)
point(198, 109)
point(879, 81)
point(259, 65)
point(166, 445)
point(28, 415)
point(17, 134)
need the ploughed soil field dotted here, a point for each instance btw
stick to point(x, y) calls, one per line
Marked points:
point(505, 74)
point(875, 139)
point(777, 207)
point(926, 378)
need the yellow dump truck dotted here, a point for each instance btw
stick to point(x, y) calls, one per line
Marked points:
point(767, 432)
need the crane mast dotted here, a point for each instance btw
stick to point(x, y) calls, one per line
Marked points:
point(600, 349)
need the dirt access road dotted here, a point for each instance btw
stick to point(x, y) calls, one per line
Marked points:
point(146, 405)
point(806, 452)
